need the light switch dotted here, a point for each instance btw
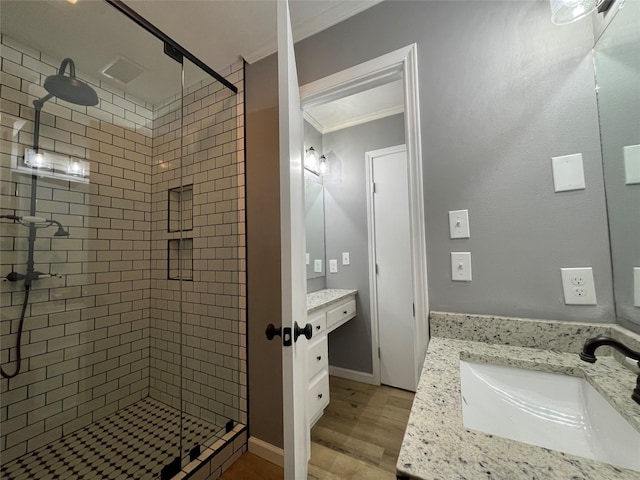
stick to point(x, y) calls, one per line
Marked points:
point(308, 258)
point(568, 173)
point(636, 286)
point(345, 258)
point(459, 224)
point(333, 266)
point(317, 266)
point(461, 266)
point(631, 164)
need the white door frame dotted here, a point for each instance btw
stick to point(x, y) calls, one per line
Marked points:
point(399, 64)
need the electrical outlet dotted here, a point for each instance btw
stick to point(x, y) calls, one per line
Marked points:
point(578, 285)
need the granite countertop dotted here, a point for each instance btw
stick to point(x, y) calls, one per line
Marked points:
point(436, 444)
point(326, 297)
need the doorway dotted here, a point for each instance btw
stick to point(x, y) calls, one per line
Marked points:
point(400, 67)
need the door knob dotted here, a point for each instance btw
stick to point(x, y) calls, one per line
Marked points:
point(307, 331)
point(272, 331)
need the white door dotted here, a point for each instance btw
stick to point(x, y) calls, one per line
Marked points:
point(294, 304)
point(393, 270)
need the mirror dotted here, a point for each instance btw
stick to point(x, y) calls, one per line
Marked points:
point(617, 65)
point(314, 224)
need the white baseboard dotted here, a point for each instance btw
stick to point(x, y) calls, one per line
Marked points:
point(352, 375)
point(265, 450)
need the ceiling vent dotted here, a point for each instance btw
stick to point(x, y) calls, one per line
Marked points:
point(122, 70)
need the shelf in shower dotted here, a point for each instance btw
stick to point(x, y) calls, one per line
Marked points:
point(180, 218)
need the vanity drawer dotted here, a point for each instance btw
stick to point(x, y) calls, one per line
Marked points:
point(318, 323)
point(317, 356)
point(318, 395)
point(341, 313)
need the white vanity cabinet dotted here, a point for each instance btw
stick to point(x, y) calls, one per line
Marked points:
point(329, 309)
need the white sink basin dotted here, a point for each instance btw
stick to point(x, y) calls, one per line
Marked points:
point(554, 411)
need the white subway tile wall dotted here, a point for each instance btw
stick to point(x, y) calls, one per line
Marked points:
point(105, 332)
point(213, 303)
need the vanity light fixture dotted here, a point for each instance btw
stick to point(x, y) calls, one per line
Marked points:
point(564, 12)
point(311, 159)
point(323, 166)
point(318, 165)
point(314, 164)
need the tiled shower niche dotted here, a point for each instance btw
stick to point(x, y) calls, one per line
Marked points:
point(106, 333)
point(180, 250)
point(180, 261)
point(180, 209)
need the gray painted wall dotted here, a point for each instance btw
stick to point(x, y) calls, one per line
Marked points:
point(346, 230)
point(312, 138)
point(264, 305)
point(502, 91)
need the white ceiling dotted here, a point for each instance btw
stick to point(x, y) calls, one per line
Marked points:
point(218, 32)
point(366, 106)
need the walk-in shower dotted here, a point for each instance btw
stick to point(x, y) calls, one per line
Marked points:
point(122, 286)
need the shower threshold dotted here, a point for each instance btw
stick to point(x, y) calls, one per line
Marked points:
point(132, 443)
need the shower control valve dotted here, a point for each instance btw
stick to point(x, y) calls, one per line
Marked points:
point(13, 277)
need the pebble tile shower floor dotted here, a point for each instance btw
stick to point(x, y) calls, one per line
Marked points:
point(133, 443)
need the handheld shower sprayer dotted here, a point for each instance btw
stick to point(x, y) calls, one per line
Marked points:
point(33, 223)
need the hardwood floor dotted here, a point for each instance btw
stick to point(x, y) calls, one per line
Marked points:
point(359, 436)
point(360, 433)
point(250, 466)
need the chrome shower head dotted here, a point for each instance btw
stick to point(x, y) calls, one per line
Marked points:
point(69, 88)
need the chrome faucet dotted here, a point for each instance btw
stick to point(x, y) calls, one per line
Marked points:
point(588, 354)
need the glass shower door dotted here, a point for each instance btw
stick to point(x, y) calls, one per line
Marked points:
point(84, 376)
point(211, 237)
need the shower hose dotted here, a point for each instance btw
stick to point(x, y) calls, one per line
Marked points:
point(19, 340)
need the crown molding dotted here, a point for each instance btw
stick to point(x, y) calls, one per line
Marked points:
point(369, 117)
point(337, 13)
